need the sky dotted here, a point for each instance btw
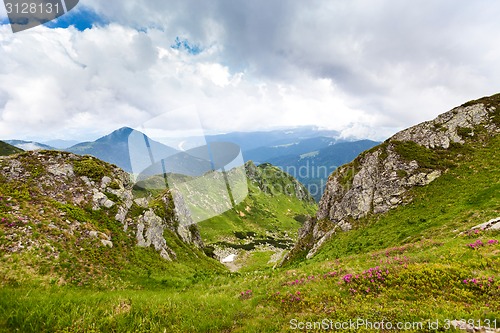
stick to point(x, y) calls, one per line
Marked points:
point(366, 68)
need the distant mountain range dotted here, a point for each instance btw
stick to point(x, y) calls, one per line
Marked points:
point(314, 167)
point(28, 145)
point(307, 153)
point(249, 141)
point(61, 144)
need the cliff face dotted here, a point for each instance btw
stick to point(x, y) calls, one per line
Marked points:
point(380, 178)
point(53, 197)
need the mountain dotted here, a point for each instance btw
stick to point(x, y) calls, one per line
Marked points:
point(386, 177)
point(259, 230)
point(61, 144)
point(312, 167)
point(28, 145)
point(251, 140)
point(271, 151)
point(114, 148)
point(7, 149)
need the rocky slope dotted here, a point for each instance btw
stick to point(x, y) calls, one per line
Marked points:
point(381, 178)
point(62, 210)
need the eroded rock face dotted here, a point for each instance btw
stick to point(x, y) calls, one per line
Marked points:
point(378, 184)
point(150, 228)
point(379, 179)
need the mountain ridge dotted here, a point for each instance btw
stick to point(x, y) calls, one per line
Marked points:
point(379, 179)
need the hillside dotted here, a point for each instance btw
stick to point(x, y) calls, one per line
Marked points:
point(384, 177)
point(261, 228)
point(76, 220)
point(6, 149)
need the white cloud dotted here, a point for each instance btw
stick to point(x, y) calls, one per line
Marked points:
point(364, 68)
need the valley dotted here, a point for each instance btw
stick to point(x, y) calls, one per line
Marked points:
point(406, 233)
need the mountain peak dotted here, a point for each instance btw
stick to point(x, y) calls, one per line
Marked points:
point(120, 134)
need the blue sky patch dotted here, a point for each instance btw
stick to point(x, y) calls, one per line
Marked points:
point(81, 18)
point(183, 44)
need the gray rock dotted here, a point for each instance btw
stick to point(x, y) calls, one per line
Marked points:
point(142, 202)
point(107, 243)
point(493, 224)
point(58, 170)
point(121, 215)
point(101, 200)
point(105, 182)
point(150, 232)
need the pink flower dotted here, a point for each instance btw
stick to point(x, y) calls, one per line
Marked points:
point(347, 278)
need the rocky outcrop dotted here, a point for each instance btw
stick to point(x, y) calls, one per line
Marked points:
point(493, 224)
point(446, 128)
point(66, 180)
point(380, 179)
point(150, 228)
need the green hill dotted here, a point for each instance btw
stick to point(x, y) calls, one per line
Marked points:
point(6, 149)
point(415, 257)
point(265, 224)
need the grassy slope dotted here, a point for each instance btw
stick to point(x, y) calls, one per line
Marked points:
point(6, 149)
point(259, 212)
point(423, 275)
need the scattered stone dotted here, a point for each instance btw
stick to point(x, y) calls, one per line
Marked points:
point(493, 224)
point(142, 202)
point(107, 243)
